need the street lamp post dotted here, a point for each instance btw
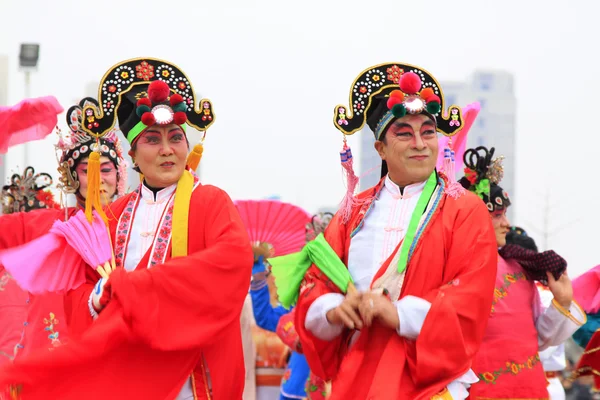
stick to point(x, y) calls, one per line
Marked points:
point(28, 61)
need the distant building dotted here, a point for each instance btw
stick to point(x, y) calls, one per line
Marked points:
point(369, 170)
point(495, 124)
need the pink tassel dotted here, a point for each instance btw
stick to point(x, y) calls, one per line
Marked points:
point(351, 182)
point(454, 189)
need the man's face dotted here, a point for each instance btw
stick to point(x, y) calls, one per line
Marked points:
point(501, 226)
point(410, 149)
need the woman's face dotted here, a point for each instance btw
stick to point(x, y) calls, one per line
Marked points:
point(501, 225)
point(108, 179)
point(161, 154)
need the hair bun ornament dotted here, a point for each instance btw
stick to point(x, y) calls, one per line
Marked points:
point(158, 92)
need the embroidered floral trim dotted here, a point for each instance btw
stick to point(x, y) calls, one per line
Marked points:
point(511, 367)
point(50, 323)
point(162, 239)
point(315, 388)
point(502, 291)
point(306, 286)
point(286, 376)
point(161, 243)
point(124, 227)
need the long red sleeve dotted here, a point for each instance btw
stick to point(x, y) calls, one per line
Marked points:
point(160, 322)
point(19, 228)
point(203, 292)
point(77, 310)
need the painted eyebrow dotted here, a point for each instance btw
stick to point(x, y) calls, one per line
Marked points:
point(402, 125)
point(176, 130)
point(103, 164)
point(428, 122)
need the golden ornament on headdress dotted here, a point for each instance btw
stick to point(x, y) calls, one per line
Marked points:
point(495, 171)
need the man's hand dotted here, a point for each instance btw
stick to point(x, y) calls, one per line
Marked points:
point(99, 298)
point(347, 313)
point(378, 306)
point(562, 289)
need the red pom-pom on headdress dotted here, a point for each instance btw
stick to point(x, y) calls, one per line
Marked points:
point(148, 119)
point(158, 92)
point(175, 99)
point(180, 118)
point(433, 99)
point(396, 97)
point(144, 101)
point(398, 94)
point(392, 101)
point(410, 83)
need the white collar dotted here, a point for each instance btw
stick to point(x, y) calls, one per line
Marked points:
point(409, 191)
point(161, 195)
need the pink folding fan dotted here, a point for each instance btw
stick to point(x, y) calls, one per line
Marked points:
point(280, 224)
point(55, 262)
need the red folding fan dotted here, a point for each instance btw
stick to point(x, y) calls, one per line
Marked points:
point(282, 225)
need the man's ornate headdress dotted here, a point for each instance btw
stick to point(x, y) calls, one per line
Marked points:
point(378, 97)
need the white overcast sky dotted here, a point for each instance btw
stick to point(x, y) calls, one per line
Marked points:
point(275, 69)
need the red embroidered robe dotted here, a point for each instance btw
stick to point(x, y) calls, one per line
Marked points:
point(161, 325)
point(453, 267)
point(28, 321)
